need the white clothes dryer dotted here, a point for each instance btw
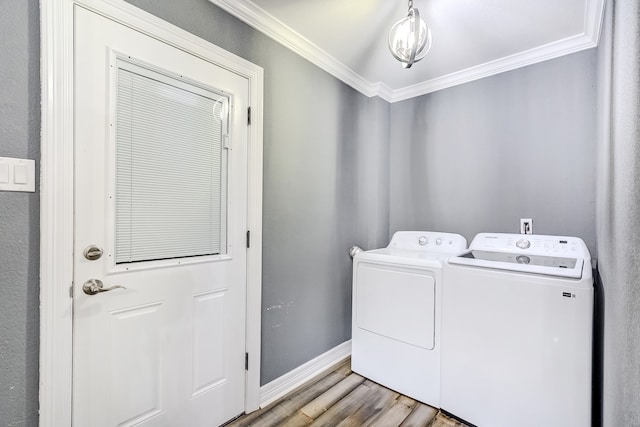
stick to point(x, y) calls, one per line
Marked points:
point(517, 332)
point(397, 295)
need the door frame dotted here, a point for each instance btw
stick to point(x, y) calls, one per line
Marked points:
point(57, 194)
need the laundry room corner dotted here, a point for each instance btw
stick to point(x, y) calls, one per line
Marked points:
point(480, 156)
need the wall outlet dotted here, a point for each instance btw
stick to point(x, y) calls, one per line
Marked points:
point(526, 226)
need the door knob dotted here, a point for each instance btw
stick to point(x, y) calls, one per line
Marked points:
point(95, 286)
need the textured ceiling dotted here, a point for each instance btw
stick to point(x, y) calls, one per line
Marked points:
point(471, 38)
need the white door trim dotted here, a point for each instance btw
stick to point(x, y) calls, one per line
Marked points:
point(56, 192)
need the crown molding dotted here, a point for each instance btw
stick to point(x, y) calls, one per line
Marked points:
point(261, 20)
point(507, 63)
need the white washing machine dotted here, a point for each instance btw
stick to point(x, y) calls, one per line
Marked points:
point(396, 312)
point(517, 332)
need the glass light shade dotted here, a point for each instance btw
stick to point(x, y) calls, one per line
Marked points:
point(410, 39)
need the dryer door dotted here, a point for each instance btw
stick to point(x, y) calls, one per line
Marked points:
point(397, 303)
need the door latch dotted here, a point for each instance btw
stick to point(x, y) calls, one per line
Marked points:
point(92, 252)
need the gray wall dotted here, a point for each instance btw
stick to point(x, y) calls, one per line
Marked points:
point(324, 168)
point(618, 214)
point(19, 215)
point(480, 156)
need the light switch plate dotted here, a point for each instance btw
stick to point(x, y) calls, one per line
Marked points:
point(17, 174)
point(4, 173)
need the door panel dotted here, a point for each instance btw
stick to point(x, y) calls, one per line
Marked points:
point(208, 341)
point(168, 349)
point(138, 361)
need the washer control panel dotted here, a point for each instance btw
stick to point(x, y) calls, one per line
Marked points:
point(428, 241)
point(531, 244)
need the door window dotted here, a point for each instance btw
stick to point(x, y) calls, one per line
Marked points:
point(170, 168)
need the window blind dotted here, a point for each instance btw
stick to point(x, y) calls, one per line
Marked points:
point(170, 198)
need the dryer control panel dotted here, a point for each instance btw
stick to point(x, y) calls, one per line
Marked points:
point(428, 241)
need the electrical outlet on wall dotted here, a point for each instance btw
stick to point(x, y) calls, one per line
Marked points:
point(526, 226)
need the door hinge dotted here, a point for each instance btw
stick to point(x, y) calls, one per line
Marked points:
point(249, 116)
point(246, 361)
point(248, 239)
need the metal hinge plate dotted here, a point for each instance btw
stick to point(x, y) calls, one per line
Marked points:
point(249, 116)
point(246, 361)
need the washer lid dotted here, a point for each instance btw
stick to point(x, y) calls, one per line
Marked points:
point(527, 263)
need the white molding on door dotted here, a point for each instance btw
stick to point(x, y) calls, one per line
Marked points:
point(56, 192)
point(317, 366)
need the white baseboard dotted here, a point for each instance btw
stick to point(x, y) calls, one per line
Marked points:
point(279, 387)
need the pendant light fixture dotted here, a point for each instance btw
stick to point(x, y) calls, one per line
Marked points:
point(410, 38)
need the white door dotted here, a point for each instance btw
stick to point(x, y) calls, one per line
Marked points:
point(161, 189)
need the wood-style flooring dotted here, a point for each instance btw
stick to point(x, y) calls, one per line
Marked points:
point(342, 398)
